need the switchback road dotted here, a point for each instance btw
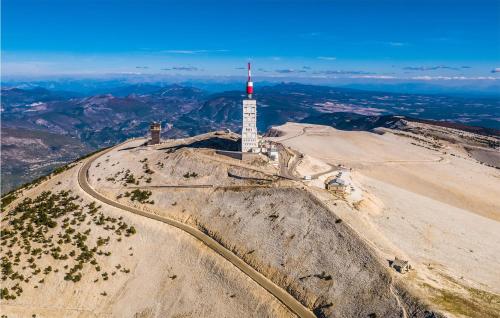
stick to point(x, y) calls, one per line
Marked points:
point(293, 304)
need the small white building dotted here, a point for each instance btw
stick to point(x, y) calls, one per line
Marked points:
point(273, 153)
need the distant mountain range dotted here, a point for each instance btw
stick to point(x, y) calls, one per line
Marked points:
point(50, 127)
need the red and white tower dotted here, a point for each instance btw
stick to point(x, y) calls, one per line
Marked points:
point(249, 137)
point(249, 83)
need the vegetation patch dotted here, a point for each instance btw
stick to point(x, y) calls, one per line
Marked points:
point(188, 175)
point(141, 196)
point(129, 178)
point(6, 200)
point(470, 302)
point(52, 226)
point(322, 276)
point(61, 169)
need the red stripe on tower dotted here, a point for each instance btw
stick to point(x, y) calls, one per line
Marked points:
point(249, 83)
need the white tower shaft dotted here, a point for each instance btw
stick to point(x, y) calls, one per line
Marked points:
point(249, 138)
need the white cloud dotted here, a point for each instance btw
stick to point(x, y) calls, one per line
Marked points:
point(327, 58)
point(397, 43)
point(182, 51)
point(288, 71)
point(181, 68)
point(373, 76)
point(310, 35)
point(343, 72)
point(456, 78)
point(434, 68)
point(193, 51)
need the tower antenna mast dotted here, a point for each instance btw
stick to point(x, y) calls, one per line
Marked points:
point(249, 83)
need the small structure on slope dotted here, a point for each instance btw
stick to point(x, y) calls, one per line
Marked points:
point(155, 130)
point(400, 265)
point(270, 150)
point(337, 185)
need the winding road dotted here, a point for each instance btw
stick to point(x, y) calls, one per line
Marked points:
point(293, 304)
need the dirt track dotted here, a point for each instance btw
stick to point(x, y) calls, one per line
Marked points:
point(267, 284)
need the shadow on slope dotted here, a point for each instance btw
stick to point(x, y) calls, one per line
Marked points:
point(216, 143)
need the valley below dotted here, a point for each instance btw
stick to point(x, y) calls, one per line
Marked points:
point(46, 127)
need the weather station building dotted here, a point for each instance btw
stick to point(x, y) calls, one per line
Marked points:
point(249, 136)
point(155, 131)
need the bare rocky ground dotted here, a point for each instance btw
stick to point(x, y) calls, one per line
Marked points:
point(426, 198)
point(329, 253)
point(158, 271)
point(277, 226)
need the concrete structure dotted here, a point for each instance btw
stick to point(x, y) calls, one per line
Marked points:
point(155, 130)
point(400, 265)
point(273, 153)
point(270, 150)
point(337, 185)
point(249, 137)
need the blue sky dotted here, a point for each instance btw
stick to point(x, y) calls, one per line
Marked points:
point(366, 39)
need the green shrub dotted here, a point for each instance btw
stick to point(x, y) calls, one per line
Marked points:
point(140, 195)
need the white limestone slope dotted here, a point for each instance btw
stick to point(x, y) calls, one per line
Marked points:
point(435, 206)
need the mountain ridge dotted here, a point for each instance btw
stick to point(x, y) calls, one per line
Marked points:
point(105, 119)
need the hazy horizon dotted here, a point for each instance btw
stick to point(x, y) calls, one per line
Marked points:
point(319, 41)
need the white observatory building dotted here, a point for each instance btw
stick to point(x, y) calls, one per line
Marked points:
point(249, 137)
